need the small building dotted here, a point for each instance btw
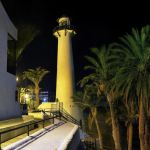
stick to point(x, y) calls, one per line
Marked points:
point(9, 106)
point(43, 96)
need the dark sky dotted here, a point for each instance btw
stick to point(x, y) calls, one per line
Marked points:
point(96, 23)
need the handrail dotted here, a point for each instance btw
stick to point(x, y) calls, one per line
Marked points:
point(64, 113)
point(69, 27)
point(58, 109)
point(70, 119)
point(28, 125)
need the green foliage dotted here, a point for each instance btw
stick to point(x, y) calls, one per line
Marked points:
point(133, 75)
point(100, 72)
point(120, 71)
point(26, 34)
point(35, 75)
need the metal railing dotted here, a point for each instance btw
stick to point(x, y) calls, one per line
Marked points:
point(57, 109)
point(27, 127)
point(69, 27)
point(57, 113)
point(68, 117)
point(61, 113)
point(90, 144)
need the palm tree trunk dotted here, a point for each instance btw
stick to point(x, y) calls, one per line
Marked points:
point(99, 134)
point(141, 125)
point(130, 125)
point(98, 127)
point(37, 100)
point(147, 136)
point(130, 135)
point(144, 133)
point(115, 125)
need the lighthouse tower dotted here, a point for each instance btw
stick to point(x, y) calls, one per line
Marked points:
point(65, 69)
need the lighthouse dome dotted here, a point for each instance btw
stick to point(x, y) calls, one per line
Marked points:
point(64, 20)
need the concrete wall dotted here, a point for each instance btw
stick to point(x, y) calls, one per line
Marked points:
point(74, 143)
point(9, 107)
point(72, 140)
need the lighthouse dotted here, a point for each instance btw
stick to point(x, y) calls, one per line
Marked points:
point(65, 68)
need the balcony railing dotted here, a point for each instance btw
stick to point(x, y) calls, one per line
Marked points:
point(27, 127)
point(69, 27)
point(58, 112)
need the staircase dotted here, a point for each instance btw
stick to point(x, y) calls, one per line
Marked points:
point(56, 109)
point(65, 115)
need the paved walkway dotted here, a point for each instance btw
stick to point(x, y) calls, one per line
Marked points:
point(53, 137)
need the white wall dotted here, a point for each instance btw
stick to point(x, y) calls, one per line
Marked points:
point(9, 108)
point(6, 23)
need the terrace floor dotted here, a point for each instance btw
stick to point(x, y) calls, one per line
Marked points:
point(51, 137)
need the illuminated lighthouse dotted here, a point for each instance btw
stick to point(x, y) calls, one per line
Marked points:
point(65, 69)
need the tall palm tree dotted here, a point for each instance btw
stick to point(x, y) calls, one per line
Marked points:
point(26, 34)
point(35, 76)
point(128, 101)
point(132, 54)
point(88, 99)
point(131, 117)
point(100, 76)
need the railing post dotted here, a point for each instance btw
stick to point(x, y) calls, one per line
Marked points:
point(0, 141)
point(53, 118)
point(59, 115)
point(43, 122)
point(28, 130)
point(80, 123)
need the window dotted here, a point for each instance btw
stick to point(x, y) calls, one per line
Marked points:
point(63, 23)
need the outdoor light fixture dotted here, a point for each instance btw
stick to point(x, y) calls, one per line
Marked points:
point(17, 78)
point(26, 96)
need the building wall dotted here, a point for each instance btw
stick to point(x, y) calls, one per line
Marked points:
point(75, 142)
point(9, 107)
point(6, 23)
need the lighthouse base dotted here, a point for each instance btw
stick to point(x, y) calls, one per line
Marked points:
point(73, 110)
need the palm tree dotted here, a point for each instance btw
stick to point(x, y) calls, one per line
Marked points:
point(128, 113)
point(88, 99)
point(100, 76)
point(131, 117)
point(132, 55)
point(35, 76)
point(26, 34)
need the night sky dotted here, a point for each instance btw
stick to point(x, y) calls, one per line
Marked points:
point(96, 24)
